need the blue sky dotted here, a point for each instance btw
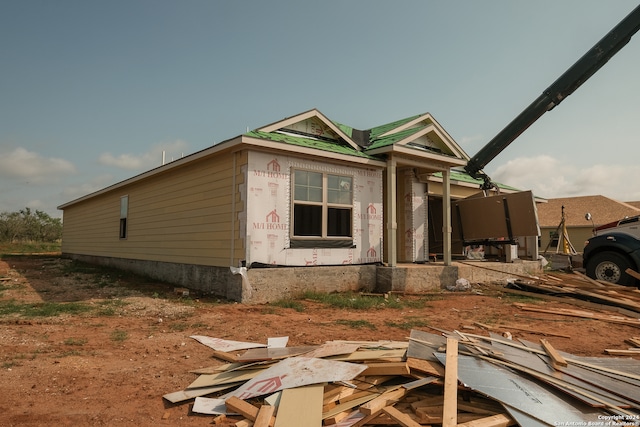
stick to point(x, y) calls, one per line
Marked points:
point(92, 93)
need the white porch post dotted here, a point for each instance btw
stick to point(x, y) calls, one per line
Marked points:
point(392, 224)
point(446, 215)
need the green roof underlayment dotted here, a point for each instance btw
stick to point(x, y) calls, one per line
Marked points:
point(379, 130)
point(393, 138)
point(344, 128)
point(310, 143)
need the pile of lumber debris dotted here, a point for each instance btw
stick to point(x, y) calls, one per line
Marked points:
point(448, 379)
point(581, 290)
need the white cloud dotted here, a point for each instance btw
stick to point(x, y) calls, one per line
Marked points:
point(548, 177)
point(28, 165)
point(73, 192)
point(145, 161)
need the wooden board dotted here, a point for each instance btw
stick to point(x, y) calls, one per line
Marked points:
point(182, 395)
point(402, 418)
point(388, 368)
point(450, 409)
point(291, 402)
point(556, 358)
point(383, 400)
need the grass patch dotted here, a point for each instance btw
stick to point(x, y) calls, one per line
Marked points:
point(75, 341)
point(524, 299)
point(289, 303)
point(70, 353)
point(179, 326)
point(9, 364)
point(353, 301)
point(356, 324)
point(46, 309)
point(118, 335)
point(29, 248)
point(15, 361)
point(408, 323)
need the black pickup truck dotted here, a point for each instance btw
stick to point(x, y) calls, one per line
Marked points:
point(613, 249)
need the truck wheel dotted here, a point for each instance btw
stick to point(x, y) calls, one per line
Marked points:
point(610, 267)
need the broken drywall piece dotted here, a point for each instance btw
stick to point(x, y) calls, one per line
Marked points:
point(266, 354)
point(225, 345)
point(296, 372)
point(209, 406)
point(277, 342)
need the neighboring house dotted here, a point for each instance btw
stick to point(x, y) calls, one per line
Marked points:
point(602, 209)
point(635, 204)
point(304, 191)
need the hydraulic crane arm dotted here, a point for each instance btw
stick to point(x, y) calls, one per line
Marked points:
point(564, 86)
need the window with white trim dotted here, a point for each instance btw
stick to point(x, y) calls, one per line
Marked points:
point(322, 206)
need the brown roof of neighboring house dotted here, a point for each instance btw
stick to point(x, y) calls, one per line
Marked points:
point(603, 210)
point(634, 204)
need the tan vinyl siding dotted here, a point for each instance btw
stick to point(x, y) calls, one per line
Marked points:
point(181, 216)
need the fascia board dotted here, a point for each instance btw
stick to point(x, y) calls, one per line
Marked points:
point(449, 140)
point(215, 149)
point(406, 125)
point(288, 121)
point(307, 115)
point(455, 148)
point(266, 145)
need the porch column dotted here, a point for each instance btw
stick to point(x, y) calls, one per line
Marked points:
point(392, 224)
point(446, 215)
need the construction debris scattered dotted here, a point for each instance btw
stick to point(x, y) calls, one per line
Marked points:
point(449, 379)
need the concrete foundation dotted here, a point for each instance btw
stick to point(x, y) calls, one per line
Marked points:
point(263, 285)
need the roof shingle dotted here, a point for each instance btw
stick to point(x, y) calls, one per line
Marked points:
point(603, 210)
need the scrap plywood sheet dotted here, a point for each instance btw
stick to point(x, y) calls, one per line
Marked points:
point(296, 372)
point(484, 218)
point(220, 344)
point(266, 222)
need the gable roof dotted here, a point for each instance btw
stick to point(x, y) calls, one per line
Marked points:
point(324, 126)
point(603, 210)
point(421, 133)
point(418, 137)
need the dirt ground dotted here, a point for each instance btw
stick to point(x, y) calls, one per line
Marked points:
point(120, 342)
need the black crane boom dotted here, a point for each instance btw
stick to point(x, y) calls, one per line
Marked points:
point(564, 86)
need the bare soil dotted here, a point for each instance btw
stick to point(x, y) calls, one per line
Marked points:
point(110, 364)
